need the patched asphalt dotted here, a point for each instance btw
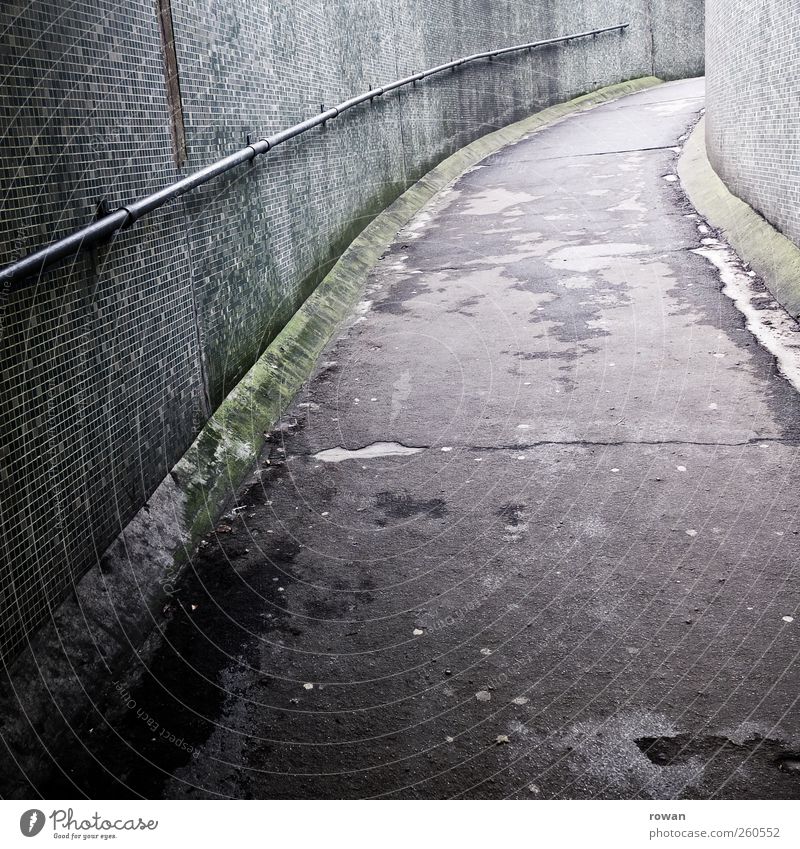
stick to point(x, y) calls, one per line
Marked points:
point(530, 530)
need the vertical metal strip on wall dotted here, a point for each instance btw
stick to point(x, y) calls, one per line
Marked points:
point(173, 81)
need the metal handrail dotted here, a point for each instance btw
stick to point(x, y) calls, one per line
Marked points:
point(105, 227)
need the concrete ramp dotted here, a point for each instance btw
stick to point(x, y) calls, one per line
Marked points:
point(556, 554)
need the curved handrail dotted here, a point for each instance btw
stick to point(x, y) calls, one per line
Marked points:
point(102, 229)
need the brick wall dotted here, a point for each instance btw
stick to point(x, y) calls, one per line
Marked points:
point(753, 105)
point(111, 363)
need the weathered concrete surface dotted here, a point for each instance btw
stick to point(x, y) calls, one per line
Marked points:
point(583, 585)
point(753, 89)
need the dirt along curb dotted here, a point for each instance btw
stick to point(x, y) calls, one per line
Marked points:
point(768, 252)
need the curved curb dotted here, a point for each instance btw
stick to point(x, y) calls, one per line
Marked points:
point(768, 252)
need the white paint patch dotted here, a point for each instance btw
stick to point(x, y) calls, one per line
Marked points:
point(483, 696)
point(779, 336)
point(369, 452)
point(583, 258)
point(418, 632)
point(308, 686)
point(520, 700)
point(581, 282)
point(788, 618)
point(507, 259)
point(629, 205)
point(496, 200)
point(667, 108)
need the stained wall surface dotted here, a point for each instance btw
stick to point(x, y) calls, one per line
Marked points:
point(753, 119)
point(112, 363)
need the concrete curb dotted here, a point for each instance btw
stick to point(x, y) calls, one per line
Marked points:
point(769, 253)
point(72, 662)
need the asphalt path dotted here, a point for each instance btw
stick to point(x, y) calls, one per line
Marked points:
point(530, 530)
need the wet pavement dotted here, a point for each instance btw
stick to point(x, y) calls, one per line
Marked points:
point(530, 531)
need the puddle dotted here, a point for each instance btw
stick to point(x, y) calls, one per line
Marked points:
point(667, 751)
point(368, 452)
point(790, 762)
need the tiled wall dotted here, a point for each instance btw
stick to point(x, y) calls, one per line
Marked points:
point(111, 363)
point(753, 111)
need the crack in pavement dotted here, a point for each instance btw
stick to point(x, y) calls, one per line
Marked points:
point(670, 147)
point(375, 450)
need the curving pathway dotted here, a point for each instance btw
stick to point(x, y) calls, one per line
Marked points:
point(531, 531)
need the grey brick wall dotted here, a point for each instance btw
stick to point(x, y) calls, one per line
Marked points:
point(753, 105)
point(112, 363)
